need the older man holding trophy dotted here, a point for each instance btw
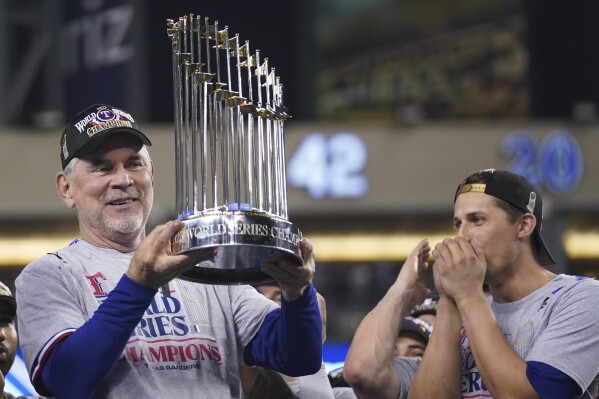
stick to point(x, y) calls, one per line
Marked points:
point(118, 313)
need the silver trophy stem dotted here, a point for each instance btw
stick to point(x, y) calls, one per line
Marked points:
point(210, 125)
point(186, 138)
point(282, 166)
point(260, 160)
point(268, 152)
point(186, 121)
point(250, 160)
point(176, 99)
point(192, 68)
point(194, 134)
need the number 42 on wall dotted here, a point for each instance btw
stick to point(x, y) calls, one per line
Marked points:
point(330, 166)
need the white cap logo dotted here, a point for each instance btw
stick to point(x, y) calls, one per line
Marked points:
point(65, 151)
point(532, 200)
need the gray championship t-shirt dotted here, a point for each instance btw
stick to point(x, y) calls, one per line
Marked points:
point(405, 367)
point(188, 344)
point(344, 393)
point(556, 325)
point(315, 386)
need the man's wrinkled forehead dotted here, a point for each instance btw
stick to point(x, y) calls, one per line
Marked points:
point(115, 142)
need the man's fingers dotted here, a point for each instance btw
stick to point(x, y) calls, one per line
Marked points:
point(199, 255)
point(451, 250)
point(453, 247)
point(423, 248)
point(171, 228)
point(286, 267)
point(154, 262)
point(306, 250)
point(164, 232)
point(464, 245)
point(280, 273)
point(182, 263)
point(479, 251)
point(441, 251)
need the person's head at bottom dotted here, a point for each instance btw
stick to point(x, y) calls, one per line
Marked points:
point(8, 332)
point(413, 337)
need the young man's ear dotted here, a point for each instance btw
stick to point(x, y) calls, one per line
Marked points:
point(63, 187)
point(527, 225)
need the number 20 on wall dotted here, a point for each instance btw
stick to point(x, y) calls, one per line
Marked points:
point(556, 163)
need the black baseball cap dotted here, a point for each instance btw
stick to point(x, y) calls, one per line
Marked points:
point(517, 191)
point(417, 326)
point(7, 297)
point(90, 127)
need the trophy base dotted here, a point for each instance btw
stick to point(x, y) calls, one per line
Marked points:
point(241, 240)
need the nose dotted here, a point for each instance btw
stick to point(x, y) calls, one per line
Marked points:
point(3, 333)
point(463, 231)
point(121, 178)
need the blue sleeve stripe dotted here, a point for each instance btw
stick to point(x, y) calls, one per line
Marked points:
point(551, 383)
point(75, 369)
point(290, 338)
point(40, 360)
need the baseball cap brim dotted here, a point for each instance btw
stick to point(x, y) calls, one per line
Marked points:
point(409, 326)
point(10, 302)
point(545, 257)
point(428, 307)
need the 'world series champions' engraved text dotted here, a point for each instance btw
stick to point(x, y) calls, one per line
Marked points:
point(251, 229)
point(238, 228)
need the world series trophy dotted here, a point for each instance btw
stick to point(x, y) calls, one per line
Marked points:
point(231, 190)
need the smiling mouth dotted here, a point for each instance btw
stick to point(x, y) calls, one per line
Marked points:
point(122, 201)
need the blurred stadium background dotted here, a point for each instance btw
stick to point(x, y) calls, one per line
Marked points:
point(393, 102)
